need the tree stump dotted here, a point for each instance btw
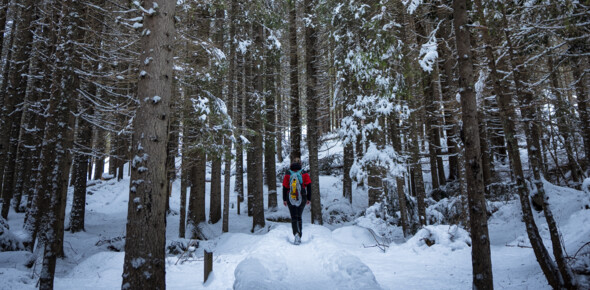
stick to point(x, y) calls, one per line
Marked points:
point(208, 264)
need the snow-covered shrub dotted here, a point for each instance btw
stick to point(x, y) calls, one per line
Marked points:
point(452, 237)
point(377, 219)
point(446, 211)
point(331, 164)
point(203, 231)
point(116, 244)
point(8, 241)
point(586, 186)
point(581, 265)
point(500, 191)
point(338, 212)
point(178, 247)
point(445, 191)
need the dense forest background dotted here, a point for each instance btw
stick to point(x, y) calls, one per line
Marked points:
point(466, 101)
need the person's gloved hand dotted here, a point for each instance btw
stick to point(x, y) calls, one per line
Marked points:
point(308, 202)
point(285, 203)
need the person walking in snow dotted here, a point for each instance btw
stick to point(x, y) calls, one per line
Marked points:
point(296, 194)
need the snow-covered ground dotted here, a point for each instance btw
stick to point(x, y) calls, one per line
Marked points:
point(337, 256)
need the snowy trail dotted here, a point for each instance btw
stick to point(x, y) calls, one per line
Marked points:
point(318, 263)
point(271, 261)
point(330, 257)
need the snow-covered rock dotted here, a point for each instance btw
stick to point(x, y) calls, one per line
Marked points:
point(8, 241)
point(445, 236)
point(252, 274)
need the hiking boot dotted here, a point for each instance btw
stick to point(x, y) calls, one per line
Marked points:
point(297, 239)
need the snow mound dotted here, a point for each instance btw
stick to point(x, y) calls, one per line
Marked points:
point(353, 235)
point(349, 272)
point(586, 186)
point(16, 279)
point(109, 264)
point(252, 274)
point(338, 212)
point(445, 236)
point(8, 241)
point(17, 259)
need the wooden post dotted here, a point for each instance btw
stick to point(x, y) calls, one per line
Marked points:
point(208, 264)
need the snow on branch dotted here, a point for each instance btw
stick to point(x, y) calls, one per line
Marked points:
point(412, 5)
point(428, 52)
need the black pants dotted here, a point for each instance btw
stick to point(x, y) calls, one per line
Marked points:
point(296, 212)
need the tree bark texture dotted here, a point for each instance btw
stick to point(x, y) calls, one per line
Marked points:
point(270, 138)
point(231, 90)
point(583, 105)
point(15, 94)
point(99, 147)
point(395, 137)
point(144, 265)
point(312, 71)
point(58, 140)
point(239, 182)
point(295, 112)
point(254, 126)
point(215, 198)
point(481, 257)
point(348, 162)
point(80, 174)
point(196, 205)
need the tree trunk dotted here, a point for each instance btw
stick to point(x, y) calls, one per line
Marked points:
point(215, 198)
point(216, 157)
point(99, 147)
point(312, 61)
point(144, 265)
point(551, 271)
point(226, 186)
point(3, 12)
point(563, 113)
point(39, 66)
point(56, 158)
point(250, 131)
point(295, 112)
point(418, 179)
point(438, 118)
point(395, 136)
point(448, 85)
point(230, 104)
point(239, 182)
point(184, 176)
point(346, 180)
point(15, 93)
point(113, 158)
point(481, 258)
point(431, 129)
point(583, 106)
point(254, 125)
point(196, 205)
point(270, 168)
point(83, 139)
point(485, 150)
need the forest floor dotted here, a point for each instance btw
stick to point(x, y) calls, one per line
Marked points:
point(334, 256)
